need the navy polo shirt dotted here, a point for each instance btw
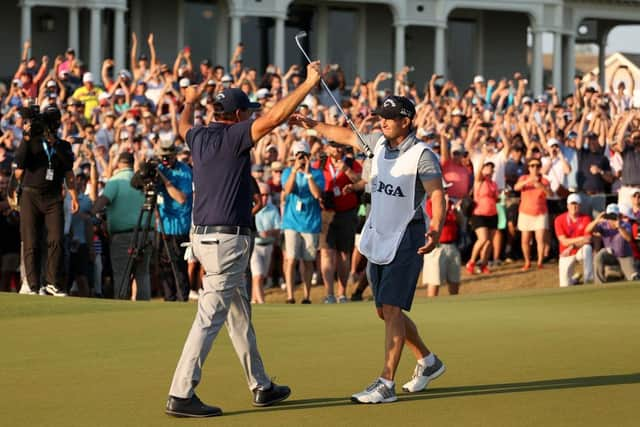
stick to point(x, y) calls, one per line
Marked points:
point(586, 180)
point(221, 173)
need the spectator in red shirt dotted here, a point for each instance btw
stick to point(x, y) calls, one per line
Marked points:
point(575, 242)
point(532, 214)
point(339, 219)
point(443, 263)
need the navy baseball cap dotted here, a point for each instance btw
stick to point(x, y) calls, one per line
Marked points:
point(232, 99)
point(395, 107)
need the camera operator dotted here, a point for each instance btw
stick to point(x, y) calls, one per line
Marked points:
point(175, 193)
point(43, 162)
point(123, 204)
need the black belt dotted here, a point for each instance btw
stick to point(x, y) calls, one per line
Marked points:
point(223, 229)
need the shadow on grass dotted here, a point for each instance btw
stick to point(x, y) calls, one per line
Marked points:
point(462, 391)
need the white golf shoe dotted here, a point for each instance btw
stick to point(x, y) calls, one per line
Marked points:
point(377, 392)
point(422, 375)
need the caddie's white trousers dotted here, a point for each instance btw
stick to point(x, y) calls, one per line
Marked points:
point(566, 264)
point(224, 300)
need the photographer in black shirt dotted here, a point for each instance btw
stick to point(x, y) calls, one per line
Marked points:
point(43, 162)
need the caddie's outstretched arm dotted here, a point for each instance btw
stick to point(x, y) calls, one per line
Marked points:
point(338, 134)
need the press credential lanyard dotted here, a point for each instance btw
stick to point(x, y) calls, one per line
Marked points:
point(49, 174)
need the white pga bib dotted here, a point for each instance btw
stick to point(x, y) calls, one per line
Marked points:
point(393, 187)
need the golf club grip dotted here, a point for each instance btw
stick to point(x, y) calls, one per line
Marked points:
point(365, 146)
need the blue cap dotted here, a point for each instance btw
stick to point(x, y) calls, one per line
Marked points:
point(233, 99)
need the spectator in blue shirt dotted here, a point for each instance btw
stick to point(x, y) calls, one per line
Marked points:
point(268, 231)
point(302, 218)
point(175, 196)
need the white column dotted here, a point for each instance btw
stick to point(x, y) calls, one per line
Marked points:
point(569, 62)
point(26, 25)
point(278, 44)
point(362, 42)
point(557, 61)
point(537, 66)
point(602, 56)
point(479, 44)
point(119, 40)
point(74, 29)
point(236, 32)
point(95, 51)
point(322, 25)
point(399, 61)
point(180, 26)
point(439, 50)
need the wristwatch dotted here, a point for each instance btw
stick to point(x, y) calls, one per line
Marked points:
point(308, 175)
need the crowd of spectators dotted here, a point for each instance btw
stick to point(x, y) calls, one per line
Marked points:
point(531, 177)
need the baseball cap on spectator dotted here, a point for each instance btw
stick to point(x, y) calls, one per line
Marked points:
point(131, 122)
point(126, 158)
point(126, 74)
point(184, 82)
point(613, 208)
point(478, 79)
point(52, 95)
point(527, 100)
point(457, 112)
point(143, 57)
point(277, 166)
point(51, 83)
point(394, 107)
point(591, 134)
point(572, 135)
point(124, 135)
point(206, 62)
point(110, 113)
point(103, 96)
point(552, 141)
point(211, 82)
point(263, 93)
point(226, 79)
point(573, 198)
point(232, 99)
point(457, 147)
point(300, 147)
point(146, 114)
point(635, 191)
point(271, 147)
point(87, 77)
point(17, 82)
point(257, 168)
point(166, 148)
point(119, 92)
point(541, 99)
point(70, 51)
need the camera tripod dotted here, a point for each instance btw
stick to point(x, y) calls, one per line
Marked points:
point(140, 243)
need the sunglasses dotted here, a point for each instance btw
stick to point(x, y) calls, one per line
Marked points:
point(535, 165)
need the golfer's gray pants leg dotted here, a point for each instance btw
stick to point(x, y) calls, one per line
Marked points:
point(224, 300)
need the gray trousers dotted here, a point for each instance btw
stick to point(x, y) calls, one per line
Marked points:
point(119, 249)
point(604, 258)
point(224, 258)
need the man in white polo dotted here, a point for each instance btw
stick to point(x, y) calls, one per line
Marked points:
point(393, 239)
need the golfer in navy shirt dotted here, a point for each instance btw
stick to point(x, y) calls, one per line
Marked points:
point(221, 239)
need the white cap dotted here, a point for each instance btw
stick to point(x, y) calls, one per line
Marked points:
point(457, 112)
point(119, 92)
point(211, 82)
point(478, 79)
point(552, 141)
point(526, 99)
point(184, 82)
point(573, 198)
point(51, 83)
point(131, 122)
point(124, 134)
point(613, 208)
point(227, 78)
point(103, 96)
point(17, 82)
point(263, 93)
point(87, 77)
point(300, 147)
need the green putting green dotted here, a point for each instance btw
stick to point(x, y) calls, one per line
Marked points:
point(562, 357)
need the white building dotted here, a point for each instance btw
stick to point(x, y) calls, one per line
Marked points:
point(458, 38)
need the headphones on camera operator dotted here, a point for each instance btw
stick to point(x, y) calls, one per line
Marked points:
point(38, 125)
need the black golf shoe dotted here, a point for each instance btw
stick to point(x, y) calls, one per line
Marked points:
point(274, 394)
point(191, 407)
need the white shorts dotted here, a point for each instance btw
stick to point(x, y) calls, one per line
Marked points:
point(442, 265)
point(302, 246)
point(533, 222)
point(261, 260)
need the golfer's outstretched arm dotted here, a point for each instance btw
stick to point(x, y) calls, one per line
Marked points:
point(283, 109)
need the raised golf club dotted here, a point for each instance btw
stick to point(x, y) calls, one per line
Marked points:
point(367, 149)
